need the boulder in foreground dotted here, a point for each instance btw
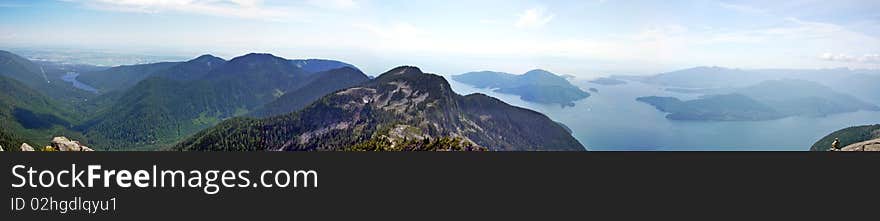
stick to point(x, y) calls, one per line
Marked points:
point(60, 144)
point(871, 145)
point(26, 147)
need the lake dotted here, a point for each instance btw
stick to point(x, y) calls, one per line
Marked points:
point(71, 77)
point(613, 120)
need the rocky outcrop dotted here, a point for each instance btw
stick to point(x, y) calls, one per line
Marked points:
point(64, 144)
point(26, 147)
point(60, 144)
point(871, 145)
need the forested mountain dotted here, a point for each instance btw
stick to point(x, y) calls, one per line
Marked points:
point(537, 85)
point(848, 136)
point(144, 107)
point(21, 69)
point(403, 109)
point(122, 77)
point(187, 97)
point(319, 65)
point(126, 76)
point(194, 69)
point(725, 107)
point(324, 83)
point(27, 114)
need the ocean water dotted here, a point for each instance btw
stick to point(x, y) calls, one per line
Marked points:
point(613, 120)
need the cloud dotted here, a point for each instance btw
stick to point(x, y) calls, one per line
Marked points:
point(249, 9)
point(334, 4)
point(742, 8)
point(867, 58)
point(534, 18)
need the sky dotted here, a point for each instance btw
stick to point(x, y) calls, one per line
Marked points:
point(584, 38)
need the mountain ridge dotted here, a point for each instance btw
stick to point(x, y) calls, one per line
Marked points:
point(402, 109)
point(190, 96)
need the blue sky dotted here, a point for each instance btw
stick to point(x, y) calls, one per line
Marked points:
point(582, 37)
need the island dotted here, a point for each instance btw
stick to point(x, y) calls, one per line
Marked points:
point(537, 86)
point(768, 100)
point(608, 81)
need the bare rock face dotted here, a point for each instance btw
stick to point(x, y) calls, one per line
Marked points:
point(26, 147)
point(871, 145)
point(64, 144)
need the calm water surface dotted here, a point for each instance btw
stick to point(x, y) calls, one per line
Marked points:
point(613, 120)
point(71, 77)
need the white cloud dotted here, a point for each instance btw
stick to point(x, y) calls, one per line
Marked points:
point(742, 8)
point(534, 18)
point(334, 4)
point(396, 30)
point(867, 58)
point(250, 9)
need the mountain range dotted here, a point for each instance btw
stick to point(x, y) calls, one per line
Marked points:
point(860, 83)
point(151, 106)
point(27, 114)
point(402, 109)
point(767, 100)
point(187, 97)
point(538, 86)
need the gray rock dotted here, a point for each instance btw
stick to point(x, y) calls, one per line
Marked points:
point(64, 144)
point(26, 147)
point(871, 145)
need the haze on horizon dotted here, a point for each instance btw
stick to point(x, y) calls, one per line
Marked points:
point(582, 38)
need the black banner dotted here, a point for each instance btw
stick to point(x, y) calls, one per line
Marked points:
point(454, 185)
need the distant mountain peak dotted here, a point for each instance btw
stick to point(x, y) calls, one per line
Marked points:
point(539, 71)
point(711, 68)
point(400, 72)
point(207, 58)
point(252, 57)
